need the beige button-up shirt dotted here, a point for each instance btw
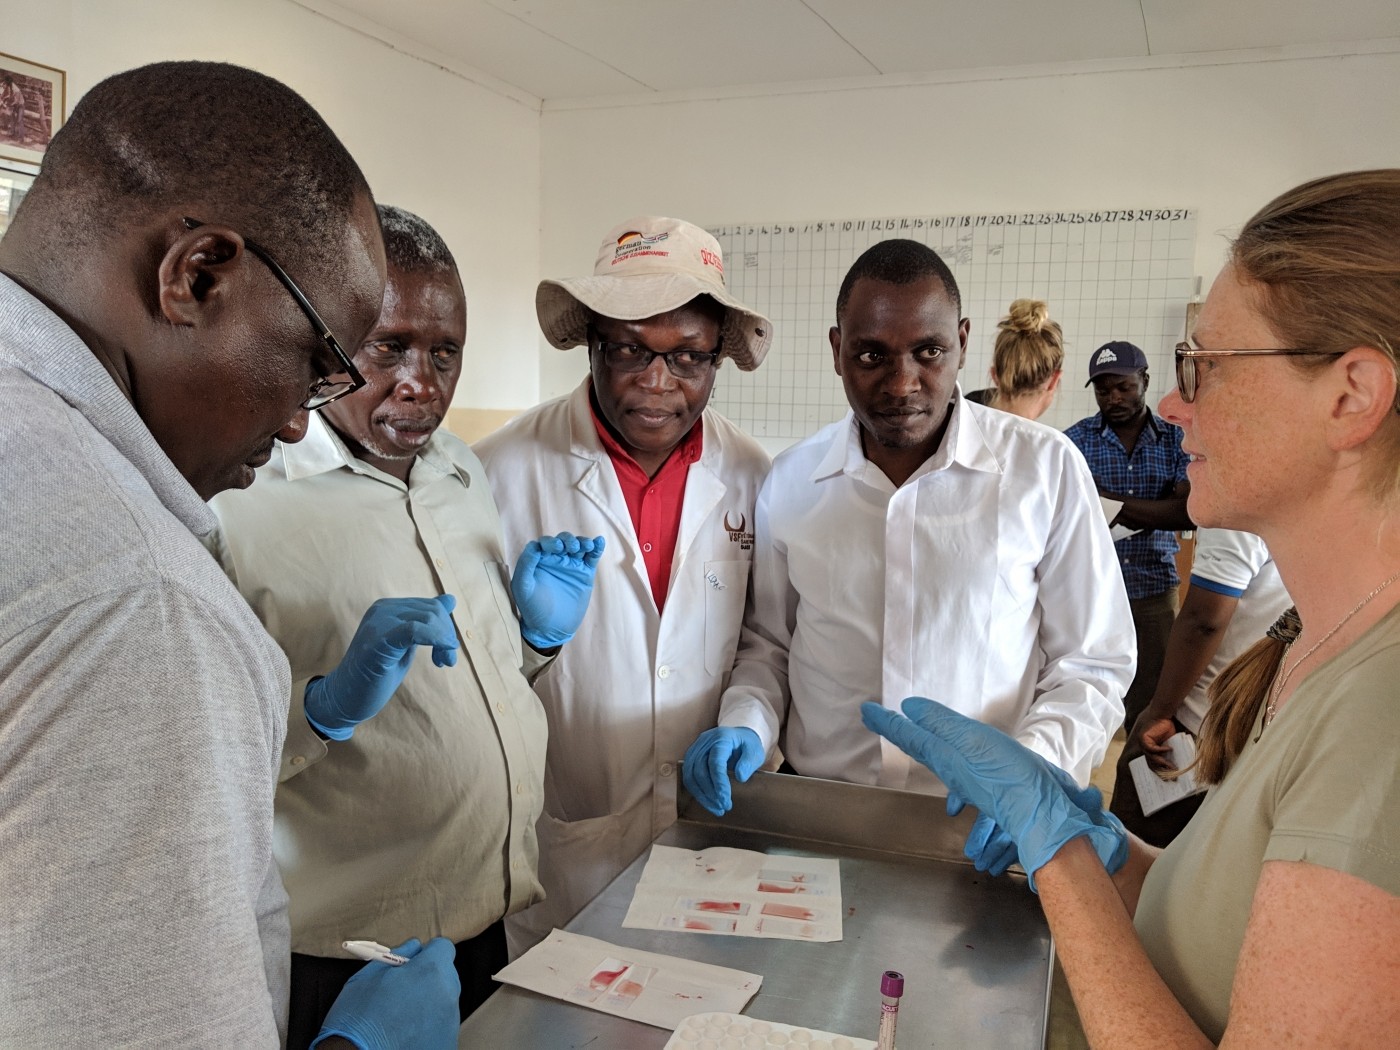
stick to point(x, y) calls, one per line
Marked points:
point(423, 823)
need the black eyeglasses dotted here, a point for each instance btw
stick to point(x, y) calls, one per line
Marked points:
point(1186, 356)
point(629, 357)
point(327, 388)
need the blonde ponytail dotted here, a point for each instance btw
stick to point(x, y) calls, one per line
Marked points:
point(1236, 696)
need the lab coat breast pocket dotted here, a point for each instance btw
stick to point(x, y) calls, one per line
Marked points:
point(508, 631)
point(726, 588)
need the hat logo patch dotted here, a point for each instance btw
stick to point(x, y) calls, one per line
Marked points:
point(1107, 356)
point(634, 244)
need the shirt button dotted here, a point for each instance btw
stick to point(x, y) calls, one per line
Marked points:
point(470, 636)
point(663, 672)
point(646, 547)
point(666, 769)
point(520, 789)
point(439, 562)
point(501, 708)
point(300, 760)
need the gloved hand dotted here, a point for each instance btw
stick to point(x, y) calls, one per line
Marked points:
point(714, 755)
point(1006, 781)
point(551, 585)
point(988, 847)
point(992, 850)
point(377, 659)
point(408, 1007)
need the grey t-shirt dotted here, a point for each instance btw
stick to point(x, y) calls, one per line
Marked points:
point(142, 708)
point(1321, 784)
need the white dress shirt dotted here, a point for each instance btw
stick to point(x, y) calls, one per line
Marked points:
point(987, 581)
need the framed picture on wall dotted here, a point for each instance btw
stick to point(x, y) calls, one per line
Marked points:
point(32, 100)
point(15, 180)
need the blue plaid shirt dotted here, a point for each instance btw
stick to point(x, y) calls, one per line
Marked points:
point(1148, 559)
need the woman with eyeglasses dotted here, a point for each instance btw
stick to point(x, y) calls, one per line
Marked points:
point(1273, 920)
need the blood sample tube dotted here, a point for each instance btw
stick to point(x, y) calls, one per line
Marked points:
point(891, 988)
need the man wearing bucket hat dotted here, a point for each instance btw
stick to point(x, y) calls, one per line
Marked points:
point(634, 455)
point(1136, 459)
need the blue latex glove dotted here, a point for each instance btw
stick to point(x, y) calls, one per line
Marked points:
point(408, 1007)
point(551, 585)
point(710, 760)
point(1009, 783)
point(376, 661)
point(988, 847)
point(992, 850)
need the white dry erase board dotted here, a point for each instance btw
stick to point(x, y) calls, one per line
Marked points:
point(1110, 274)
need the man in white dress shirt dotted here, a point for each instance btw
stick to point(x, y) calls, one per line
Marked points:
point(922, 545)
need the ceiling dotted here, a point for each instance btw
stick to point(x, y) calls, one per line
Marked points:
point(559, 50)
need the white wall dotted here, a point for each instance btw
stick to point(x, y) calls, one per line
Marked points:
point(519, 195)
point(1220, 138)
point(464, 157)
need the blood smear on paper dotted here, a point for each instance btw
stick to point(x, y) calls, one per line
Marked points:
point(738, 893)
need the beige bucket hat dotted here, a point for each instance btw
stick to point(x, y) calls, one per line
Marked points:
point(648, 266)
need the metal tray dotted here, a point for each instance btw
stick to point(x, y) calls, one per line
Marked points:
point(975, 952)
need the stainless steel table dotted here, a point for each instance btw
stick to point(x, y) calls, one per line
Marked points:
point(975, 952)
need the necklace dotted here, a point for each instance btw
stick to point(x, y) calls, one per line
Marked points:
point(1280, 680)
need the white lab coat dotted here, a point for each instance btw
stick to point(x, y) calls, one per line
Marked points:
point(986, 581)
point(634, 688)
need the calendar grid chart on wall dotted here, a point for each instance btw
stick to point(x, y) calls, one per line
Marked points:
point(1109, 274)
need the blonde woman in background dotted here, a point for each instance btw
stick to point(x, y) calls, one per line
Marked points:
point(1273, 919)
point(1026, 361)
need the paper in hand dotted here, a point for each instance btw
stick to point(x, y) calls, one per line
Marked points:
point(1111, 507)
point(1154, 793)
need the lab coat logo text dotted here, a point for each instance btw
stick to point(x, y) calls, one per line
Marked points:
point(737, 533)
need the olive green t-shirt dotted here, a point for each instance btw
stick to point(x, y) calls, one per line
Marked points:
point(1321, 784)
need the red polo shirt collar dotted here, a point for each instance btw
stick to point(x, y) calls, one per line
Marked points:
point(654, 503)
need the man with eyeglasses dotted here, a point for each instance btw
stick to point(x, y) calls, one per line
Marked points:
point(147, 363)
point(923, 545)
point(635, 455)
point(422, 819)
point(1136, 459)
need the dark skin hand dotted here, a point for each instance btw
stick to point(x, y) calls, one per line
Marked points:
point(1195, 637)
point(1168, 512)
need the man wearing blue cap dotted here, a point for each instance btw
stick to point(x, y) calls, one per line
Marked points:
point(1136, 459)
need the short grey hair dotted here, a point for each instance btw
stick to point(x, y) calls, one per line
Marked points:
point(411, 244)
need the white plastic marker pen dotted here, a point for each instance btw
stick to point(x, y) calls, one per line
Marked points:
point(372, 951)
point(891, 988)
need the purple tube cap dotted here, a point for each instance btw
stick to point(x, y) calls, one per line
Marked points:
point(892, 984)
